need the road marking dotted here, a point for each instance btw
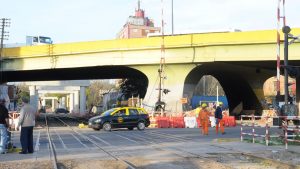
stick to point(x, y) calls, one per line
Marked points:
point(79, 141)
point(61, 140)
point(127, 138)
point(168, 136)
point(99, 139)
point(37, 143)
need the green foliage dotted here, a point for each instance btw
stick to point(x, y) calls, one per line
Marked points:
point(132, 87)
point(22, 91)
point(96, 90)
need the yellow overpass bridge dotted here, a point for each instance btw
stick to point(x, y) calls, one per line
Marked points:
point(240, 61)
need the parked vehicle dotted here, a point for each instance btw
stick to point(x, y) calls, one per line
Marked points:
point(61, 110)
point(121, 117)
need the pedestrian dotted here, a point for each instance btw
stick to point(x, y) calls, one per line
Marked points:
point(27, 122)
point(4, 123)
point(219, 119)
point(204, 118)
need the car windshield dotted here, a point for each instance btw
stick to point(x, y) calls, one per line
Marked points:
point(107, 113)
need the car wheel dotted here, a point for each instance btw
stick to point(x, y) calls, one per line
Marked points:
point(96, 129)
point(141, 125)
point(107, 126)
point(130, 128)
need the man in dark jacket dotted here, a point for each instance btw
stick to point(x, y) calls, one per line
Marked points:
point(4, 123)
point(219, 119)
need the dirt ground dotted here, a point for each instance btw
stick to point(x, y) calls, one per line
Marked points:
point(220, 161)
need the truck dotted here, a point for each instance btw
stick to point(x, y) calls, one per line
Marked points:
point(38, 40)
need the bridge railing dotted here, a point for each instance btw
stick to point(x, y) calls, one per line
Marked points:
point(267, 122)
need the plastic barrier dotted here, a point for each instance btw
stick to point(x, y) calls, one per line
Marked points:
point(153, 122)
point(14, 119)
point(190, 122)
point(212, 121)
point(162, 122)
point(177, 122)
point(229, 121)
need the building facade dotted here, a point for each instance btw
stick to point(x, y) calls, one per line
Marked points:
point(137, 26)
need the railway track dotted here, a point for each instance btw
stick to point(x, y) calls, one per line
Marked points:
point(152, 139)
point(53, 155)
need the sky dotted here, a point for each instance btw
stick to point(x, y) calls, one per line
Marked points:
point(90, 20)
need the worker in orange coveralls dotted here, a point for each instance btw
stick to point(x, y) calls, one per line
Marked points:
point(219, 119)
point(204, 118)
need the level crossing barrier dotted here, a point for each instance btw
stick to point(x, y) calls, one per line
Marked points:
point(267, 123)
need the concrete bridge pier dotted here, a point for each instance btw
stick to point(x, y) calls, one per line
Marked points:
point(33, 96)
point(174, 81)
point(82, 99)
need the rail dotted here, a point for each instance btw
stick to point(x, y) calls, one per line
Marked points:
point(287, 129)
point(130, 166)
point(52, 150)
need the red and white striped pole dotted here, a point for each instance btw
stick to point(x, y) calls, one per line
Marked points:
point(253, 130)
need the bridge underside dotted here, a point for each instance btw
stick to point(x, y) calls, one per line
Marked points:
point(242, 82)
point(79, 73)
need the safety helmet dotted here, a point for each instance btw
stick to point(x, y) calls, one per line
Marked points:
point(204, 105)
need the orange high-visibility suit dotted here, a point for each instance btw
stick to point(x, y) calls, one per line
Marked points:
point(204, 120)
point(221, 123)
point(219, 120)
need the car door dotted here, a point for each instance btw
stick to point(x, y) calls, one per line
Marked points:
point(134, 117)
point(118, 118)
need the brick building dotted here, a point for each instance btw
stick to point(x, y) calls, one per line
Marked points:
point(137, 26)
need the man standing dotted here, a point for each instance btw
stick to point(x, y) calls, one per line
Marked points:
point(204, 118)
point(27, 122)
point(4, 123)
point(219, 119)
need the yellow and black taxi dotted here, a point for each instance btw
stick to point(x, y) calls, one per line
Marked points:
point(121, 117)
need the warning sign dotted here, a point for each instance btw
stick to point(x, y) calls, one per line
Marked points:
point(183, 100)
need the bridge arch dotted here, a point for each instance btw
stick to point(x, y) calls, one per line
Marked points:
point(236, 87)
point(79, 73)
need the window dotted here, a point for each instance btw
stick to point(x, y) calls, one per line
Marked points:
point(120, 113)
point(35, 39)
point(133, 112)
point(141, 111)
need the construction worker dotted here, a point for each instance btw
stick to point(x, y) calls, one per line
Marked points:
point(219, 119)
point(204, 118)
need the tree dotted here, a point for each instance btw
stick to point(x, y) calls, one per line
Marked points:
point(22, 91)
point(132, 87)
point(96, 90)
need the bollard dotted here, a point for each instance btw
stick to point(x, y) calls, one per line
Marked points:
point(241, 127)
point(253, 130)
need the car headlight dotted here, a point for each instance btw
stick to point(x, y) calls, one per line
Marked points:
point(98, 121)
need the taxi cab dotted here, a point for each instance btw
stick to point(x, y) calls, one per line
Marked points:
point(121, 117)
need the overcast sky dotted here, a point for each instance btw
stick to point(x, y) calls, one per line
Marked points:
point(90, 20)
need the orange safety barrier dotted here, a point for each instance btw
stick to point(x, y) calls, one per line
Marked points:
point(177, 122)
point(229, 121)
point(162, 122)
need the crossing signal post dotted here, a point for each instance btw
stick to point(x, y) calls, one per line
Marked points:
point(293, 71)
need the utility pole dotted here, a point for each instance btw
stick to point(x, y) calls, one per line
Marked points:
point(172, 19)
point(4, 36)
